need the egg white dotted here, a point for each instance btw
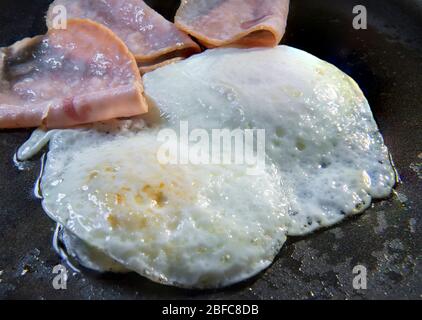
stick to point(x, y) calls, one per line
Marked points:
point(190, 226)
point(320, 130)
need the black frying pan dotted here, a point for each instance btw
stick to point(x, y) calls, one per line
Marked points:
point(386, 60)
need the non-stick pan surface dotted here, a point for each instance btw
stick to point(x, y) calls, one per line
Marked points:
point(386, 60)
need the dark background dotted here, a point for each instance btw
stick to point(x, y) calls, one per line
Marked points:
point(386, 60)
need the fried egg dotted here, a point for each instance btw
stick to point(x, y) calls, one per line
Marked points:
point(320, 131)
point(190, 226)
point(208, 226)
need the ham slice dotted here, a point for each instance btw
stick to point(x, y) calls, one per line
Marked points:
point(68, 77)
point(236, 23)
point(152, 39)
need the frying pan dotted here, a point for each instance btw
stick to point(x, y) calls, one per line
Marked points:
point(385, 59)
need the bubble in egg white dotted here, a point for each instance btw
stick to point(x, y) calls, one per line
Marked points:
point(87, 256)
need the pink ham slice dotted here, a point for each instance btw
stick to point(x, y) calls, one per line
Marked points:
point(152, 39)
point(69, 77)
point(240, 23)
